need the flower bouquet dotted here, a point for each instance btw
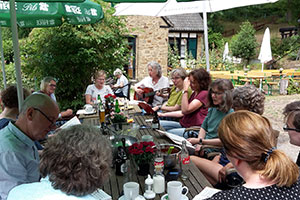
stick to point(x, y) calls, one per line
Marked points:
point(109, 98)
point(142, 152)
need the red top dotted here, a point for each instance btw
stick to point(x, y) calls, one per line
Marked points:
point(196, 118)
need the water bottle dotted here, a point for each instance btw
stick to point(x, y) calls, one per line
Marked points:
point(184, 161)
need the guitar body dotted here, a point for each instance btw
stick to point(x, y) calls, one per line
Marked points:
point(147, 95)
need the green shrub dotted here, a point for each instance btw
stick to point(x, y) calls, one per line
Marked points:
point(293, 87)
point(243, 44)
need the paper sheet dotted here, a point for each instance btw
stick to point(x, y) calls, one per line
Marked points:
point(177, 139)
point(71, 122)
point(206, 193)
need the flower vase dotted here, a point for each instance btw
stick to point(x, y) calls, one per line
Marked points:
point(143, 169)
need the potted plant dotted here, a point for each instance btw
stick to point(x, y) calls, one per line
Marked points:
point(142, 153)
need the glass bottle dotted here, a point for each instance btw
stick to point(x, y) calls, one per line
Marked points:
point(121, 161)
point(158, 177)
point(101, 112)
point(184, 161)
point(155, 121)
point(117, 108)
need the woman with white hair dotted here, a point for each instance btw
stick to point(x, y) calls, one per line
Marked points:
point(156, 81)
point(121, 87)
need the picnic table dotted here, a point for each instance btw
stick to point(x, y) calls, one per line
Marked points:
point(114, 187)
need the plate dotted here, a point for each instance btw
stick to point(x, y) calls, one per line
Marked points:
point(82, 111)
point(140, 197)
point(183, 197)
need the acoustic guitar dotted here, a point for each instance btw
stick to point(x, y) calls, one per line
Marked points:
point(148, 94)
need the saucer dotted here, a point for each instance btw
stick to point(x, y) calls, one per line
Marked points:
point(165, 197)
point(140, 197)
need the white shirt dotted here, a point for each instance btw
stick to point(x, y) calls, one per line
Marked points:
point(93, 91)
point(123, 80)
point(163, 82)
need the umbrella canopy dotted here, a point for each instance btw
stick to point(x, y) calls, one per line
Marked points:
point(226, 52)
point(72, 8)
point(48, 14)
point(265, 53)
point(172, 7)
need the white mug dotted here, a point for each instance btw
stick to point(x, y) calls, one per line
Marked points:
point(131, 190)
point(88, 108)
point(175, 189)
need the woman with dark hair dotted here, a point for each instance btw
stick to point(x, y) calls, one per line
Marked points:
point(9, 104)
point(74, 164)
point(249, 141)
point(244, 98)
point(220, 103)
point(193, 109)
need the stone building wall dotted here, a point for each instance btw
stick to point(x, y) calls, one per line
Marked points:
point(151, 42)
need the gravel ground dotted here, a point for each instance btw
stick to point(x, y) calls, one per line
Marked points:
point(273, 111)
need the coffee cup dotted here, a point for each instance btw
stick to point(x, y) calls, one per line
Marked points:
point(131, 190)
point(88, 108)
point(175, 190)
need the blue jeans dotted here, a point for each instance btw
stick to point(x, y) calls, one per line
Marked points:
point(173, 127)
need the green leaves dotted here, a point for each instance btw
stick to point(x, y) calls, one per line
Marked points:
point(243, 44)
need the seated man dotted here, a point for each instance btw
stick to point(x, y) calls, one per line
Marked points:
point(292, 119)
point(48, 87)
point(19, 158)
point(74, 164)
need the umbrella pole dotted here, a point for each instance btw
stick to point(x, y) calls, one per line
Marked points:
point(2, 59)
point(17, 61)
point(206, 37)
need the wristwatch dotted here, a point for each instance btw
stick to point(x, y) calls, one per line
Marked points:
point(200, 141)
point(184, 91)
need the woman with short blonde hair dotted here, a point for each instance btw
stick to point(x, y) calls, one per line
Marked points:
point(98, 88)
point(249, 142)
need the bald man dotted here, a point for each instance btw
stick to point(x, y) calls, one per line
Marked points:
point(19, 159)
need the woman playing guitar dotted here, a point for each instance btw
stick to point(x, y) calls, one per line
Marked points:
point(155, 81)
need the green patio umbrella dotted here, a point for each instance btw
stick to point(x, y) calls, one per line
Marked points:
point(72, 11)
point(49, 14)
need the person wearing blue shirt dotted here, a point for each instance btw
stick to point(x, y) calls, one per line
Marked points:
point(19, 159)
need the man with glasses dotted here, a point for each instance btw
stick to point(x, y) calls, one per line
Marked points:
point(292, 118)
point(19, 159)
point(48, 87)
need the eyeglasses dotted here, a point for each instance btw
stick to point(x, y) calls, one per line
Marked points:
point(286, 128)
point(52, 85)
point(216, 93)
point(175, 78)
point(52, 122)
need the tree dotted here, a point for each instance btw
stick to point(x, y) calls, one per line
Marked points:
point(243, 44)
point(72, 54)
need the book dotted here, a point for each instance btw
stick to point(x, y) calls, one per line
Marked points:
point(177, 139)
point(71, 122)
point(207, 192)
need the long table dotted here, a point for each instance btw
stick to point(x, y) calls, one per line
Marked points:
point(114, 187)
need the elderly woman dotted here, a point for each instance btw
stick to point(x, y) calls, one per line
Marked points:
point(244, 98)
point(249, 142)
point(98, 88)
point(174, 101)
point(48, 87)
point(122, 84)
point(10, 106)
point(292, 119)
point(194, 108)
point(74, 164)
point(156, 81)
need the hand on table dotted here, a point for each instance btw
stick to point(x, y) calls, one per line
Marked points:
point(193, 140)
